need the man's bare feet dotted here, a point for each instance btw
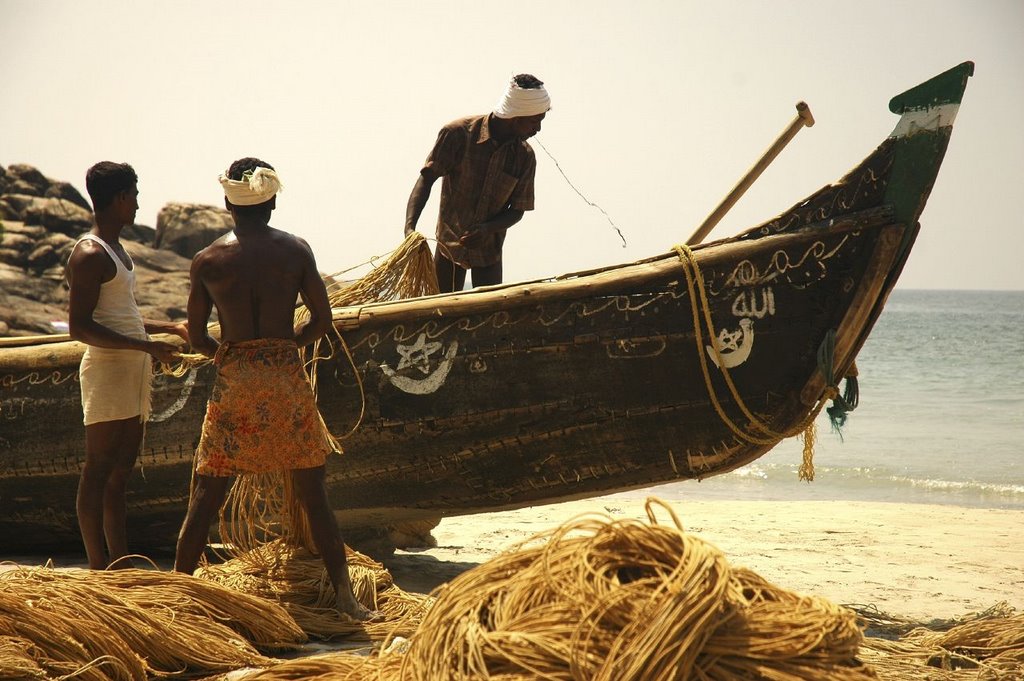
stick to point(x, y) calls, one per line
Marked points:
point(357, 611)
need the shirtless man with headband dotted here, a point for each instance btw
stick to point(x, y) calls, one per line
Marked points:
point(262, 415)
point(488, 169)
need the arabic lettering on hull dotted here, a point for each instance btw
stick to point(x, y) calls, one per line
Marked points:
point(735, 345)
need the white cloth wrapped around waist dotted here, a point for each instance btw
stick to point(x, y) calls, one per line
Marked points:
point(115, 384)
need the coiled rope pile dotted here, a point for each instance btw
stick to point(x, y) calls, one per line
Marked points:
point(132, 624)
point(295, 578)
point(985, 646)
point(596, 598)
point(604, 599)
point(613, 599)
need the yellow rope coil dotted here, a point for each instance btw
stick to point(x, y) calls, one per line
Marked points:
point(133, 624)
point(618, 600)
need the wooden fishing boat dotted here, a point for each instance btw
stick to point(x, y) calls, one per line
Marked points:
point(681, 366)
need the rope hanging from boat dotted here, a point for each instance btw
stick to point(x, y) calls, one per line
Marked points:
point(701, 308)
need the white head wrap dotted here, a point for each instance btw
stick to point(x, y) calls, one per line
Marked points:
point(254, 188)
point(518, 101)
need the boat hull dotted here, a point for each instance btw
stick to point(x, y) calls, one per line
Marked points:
point(682, 366)
point(499, 398)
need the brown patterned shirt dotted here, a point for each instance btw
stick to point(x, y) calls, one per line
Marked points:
point(482, 178)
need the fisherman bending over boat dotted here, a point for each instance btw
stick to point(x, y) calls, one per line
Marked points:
point(116, 368)
point(488, 169)
point(262, 414)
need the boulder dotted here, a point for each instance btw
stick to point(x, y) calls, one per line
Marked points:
point(157, 260)
point(43, 257)
point(33, 247)
point(18, 240)
point(141, 233)
point(25, 316)
point(162, 295)
point(58, 215)
point(62, 244)
point(187, 228)
point(55, 214)
point(13, 205)
point(25, 179)
point(17, 281)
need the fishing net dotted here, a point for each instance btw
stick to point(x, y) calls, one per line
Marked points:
point(987, 646)
point(295, 577)
point(612, 599)
point(132, 624)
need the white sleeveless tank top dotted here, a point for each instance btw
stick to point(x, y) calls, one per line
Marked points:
point(116, 308)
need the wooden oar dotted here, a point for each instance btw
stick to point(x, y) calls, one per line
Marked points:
point(25, 341)
point(803, 119)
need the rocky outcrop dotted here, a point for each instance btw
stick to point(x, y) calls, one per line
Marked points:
point(53, 213)
point(40, 221)
point(187, 228)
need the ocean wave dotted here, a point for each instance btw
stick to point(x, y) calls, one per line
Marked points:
point(780, 481)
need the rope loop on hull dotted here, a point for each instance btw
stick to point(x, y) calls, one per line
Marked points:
point(756, 431)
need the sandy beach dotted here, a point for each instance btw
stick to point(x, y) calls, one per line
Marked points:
point(912, 560)
point(916, 561)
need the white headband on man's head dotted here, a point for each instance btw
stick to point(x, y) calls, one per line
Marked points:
point(254, 188)
point(519, 101)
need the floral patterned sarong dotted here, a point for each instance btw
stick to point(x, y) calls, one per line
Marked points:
point(262, 414)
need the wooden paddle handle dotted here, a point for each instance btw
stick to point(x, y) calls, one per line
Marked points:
point(804, 112)
point(803, 118)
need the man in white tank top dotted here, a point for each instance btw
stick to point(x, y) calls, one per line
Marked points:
point(116, 368)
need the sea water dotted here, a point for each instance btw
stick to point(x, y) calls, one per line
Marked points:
point(940, 419)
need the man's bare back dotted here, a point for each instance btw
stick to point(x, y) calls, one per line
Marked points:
point(254, 278)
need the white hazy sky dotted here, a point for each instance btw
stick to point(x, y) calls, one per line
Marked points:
point(659, 108)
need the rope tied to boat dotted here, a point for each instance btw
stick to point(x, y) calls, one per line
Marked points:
point(701, 309)
point(843, 404)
